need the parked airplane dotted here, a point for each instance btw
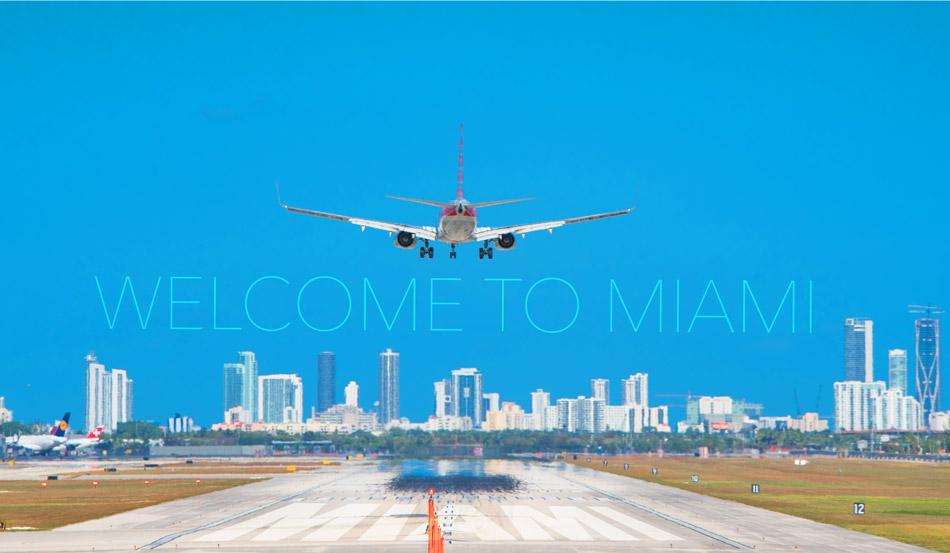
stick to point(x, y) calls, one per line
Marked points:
point(457, 223)
point(91, 439)
point(42, 443)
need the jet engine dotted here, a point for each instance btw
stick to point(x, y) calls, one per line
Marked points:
point(505, 241)
point(405, 240)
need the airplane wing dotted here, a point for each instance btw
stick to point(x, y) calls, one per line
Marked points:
point(489, 233)
point(427, 233)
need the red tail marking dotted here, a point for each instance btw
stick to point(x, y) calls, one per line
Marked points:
point(458, 193)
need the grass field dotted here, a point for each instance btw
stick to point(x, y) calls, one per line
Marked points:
point(26, 504)
point(908, 502)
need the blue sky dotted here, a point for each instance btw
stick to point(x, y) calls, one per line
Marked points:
point(764, 142)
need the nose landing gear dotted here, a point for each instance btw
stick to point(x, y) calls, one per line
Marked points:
point(452, 253)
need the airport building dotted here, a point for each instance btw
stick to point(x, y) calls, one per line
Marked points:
point(326, 380)
point(388, 386)
point(280, 398)
point(108, 396)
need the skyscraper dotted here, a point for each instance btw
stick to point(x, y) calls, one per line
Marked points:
point(388, 386)
point(634, 391)
point(858, 350)
point(326, 380)
point(280, 398)
point(491, 401)
point(590, 415)
point(927, 349)
point(600, 389)
point(108, 395)
point(540, 401)
point(897, 370)
point(467, 395)
point(351, 394)
point(854, 410)
point(240, 386)
point(442, 390)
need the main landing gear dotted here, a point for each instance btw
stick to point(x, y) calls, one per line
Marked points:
point(452, 253)
point(426, 250)
point(486, 251)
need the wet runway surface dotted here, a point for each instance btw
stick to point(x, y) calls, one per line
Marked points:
point(356, 507)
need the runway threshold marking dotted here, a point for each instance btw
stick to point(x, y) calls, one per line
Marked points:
point(171, 537)
point(699, 529)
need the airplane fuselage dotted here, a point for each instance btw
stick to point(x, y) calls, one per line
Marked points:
point(457, 223)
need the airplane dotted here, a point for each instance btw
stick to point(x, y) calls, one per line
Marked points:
point(456, 224)
point(75, 444)
point(42, 443)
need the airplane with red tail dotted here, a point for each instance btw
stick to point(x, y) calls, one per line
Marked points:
point(457, 223)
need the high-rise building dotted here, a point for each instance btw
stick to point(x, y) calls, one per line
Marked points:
point(927, 349)
point(566, 414)
point(897, 370)
point(240, 386)
point(467, 395)
point(326, 380)
point(351, 394)
point(491, 401)
point(280, 398)
point(617, 418)
point(540, 401)
point(892, 410)
point(600, 389)
point(590, 415)
point(6, 415)
point(443, 397)
point(509, 416)
point(854, 410)
point(388, 386)
point(108, 396)
point(179, 424)
point(858, 349)
point(634, 391)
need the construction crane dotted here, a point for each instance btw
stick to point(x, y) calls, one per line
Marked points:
point(928, 310)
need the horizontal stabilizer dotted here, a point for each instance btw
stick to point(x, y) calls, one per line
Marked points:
point(500, 202)
point(418, 201)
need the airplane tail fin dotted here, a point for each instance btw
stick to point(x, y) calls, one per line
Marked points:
point(458, 192)
point(97, 433)
point(499, 202)
point(59, 429)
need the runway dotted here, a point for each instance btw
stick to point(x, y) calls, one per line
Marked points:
point(350, 508)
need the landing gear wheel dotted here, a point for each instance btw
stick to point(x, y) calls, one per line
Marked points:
point(491, 253)
point(431, 251)
point(422, 252)
point(452, 253)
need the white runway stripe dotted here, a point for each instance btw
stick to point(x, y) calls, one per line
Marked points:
point(634, 524)
point(390, 525)
point(244, 527)
point(293, 523)
point(338, 522)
